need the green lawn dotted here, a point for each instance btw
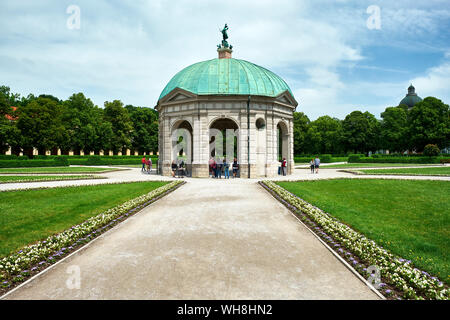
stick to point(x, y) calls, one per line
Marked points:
point(370, 165)
point(445, 171)
point(57, 170)
point(410, 218)
point(4, 179)
point(32, 215)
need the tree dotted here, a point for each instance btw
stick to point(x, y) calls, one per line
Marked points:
point(325, 135)
point(104, 132)
point(301, 123)
point(394, 128)
point(40, 124)
point(5, 123)
point(9, 133)
point(145, 129)
point(121, 124)
point(80, 120)
point(361, 132)
point(428, 123)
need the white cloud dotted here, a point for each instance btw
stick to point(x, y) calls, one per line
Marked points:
point(130, 50)
point(435, 82)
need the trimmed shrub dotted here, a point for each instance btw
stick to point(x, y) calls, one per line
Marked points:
point(110, 160)
point(418, 160)
point(12, 157)
point(354, 158)
point(431, 150)
point(33, 163)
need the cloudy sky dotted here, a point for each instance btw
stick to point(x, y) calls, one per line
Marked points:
point(336, 56)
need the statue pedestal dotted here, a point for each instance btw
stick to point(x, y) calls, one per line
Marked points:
point(224, 53)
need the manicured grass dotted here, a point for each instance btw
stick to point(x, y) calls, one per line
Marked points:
point(57, 170)
point(372, 165)
point(5, 179)
point(32, 215)
point(445, 171)
point(410, 218)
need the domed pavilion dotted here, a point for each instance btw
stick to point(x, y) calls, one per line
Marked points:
point(411, 98)
point(226, 107)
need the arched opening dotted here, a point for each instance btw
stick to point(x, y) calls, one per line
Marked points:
point(283, 141)
point(182, 145)
point(224, 141)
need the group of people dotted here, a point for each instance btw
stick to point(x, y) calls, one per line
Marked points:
point(146, 165)
point(282, 169)
point(314, 165)
point(179, 169)
point(216, 168)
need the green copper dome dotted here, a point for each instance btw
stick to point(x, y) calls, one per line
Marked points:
point(411, 98)
point(227, 77)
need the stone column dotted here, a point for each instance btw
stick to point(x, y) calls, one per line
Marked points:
point(291, 163)
point(166, 148)
point(200, 142)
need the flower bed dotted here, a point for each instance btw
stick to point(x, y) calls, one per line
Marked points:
point(56, 178)
point(400, 278)
point(32, 259)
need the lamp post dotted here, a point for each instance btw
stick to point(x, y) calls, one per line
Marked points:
point(248, 135)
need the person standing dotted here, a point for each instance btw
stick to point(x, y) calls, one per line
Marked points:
point(211, 171)
point(283, 166)
point(143, 160)
point(219, 167)
point(235, 168)
point(174, 168)
point(311, 165)
point(150, 164)
point(214, 168)
point(317, 163)
point(226, 168)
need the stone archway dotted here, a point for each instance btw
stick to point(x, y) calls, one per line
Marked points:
point(224, 139)
point(182, 144)
point(283, 143)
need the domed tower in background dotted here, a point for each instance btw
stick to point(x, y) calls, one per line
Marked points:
point(411, 98)
point(205, 102)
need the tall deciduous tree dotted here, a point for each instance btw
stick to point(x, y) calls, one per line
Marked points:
point(361, 132)
point(40, 124)
point(145, 129)
point(394, 128)
point(301, 123)
point(325, 135)
point(80, 120)
point(121, 124)
point(429, 123)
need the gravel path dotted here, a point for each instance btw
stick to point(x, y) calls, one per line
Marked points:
point(209, 239)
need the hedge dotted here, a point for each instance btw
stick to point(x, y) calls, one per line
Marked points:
point(419, 160)
point(109, 160)
point(324, 158)
point(12, 157)
point(33, 163)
